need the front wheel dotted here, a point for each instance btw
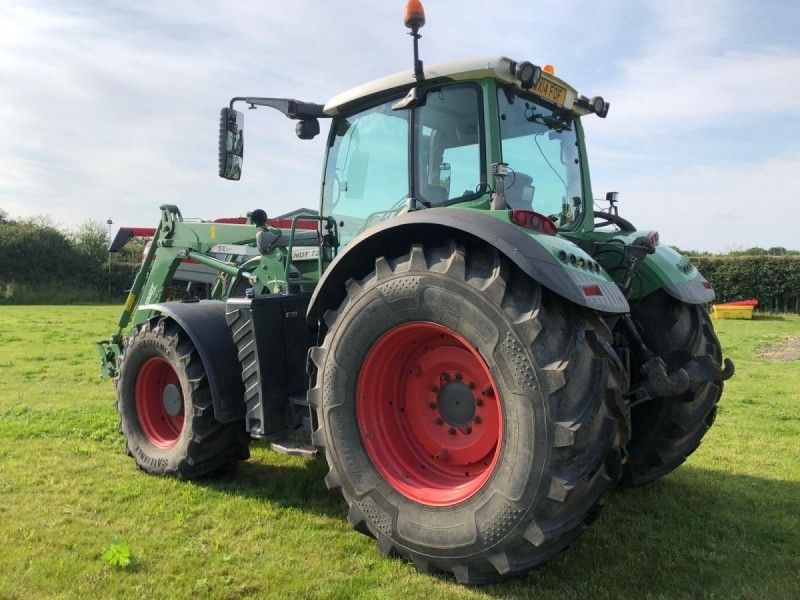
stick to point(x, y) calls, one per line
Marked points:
point(472, 419)
point(165, 407)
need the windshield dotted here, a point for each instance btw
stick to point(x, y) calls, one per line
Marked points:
point(541, 149)
point(368, 173)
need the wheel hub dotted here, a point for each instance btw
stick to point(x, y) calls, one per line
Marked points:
point(456, 404)
point(159, 402)
point(172, 400)
point(429, 413)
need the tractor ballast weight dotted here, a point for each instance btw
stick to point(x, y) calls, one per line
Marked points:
point(272, 341)
point(478, 367)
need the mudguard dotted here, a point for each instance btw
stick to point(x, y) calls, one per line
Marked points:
point(535, 254)
point(668, 270)
point(205, 324)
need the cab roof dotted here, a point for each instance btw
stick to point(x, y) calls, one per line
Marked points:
point(500, 68)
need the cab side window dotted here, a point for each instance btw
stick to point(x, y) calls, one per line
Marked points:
point(447, 140)
point(367, 170)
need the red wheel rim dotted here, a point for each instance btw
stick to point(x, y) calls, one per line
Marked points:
point(160, 413)
point(429, 414)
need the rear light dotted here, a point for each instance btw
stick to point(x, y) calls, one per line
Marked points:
point(592, 290)
point(533, 220)
point(654, 237)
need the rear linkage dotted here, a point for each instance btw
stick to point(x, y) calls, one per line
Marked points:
point(658, 382)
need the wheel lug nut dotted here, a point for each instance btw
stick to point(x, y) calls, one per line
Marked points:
point(478, 402)
point(452, 431)
point(488, 391)
point(478, 420)
point(471, 385)
point(459, 375)
point(432, 405)
point(468, 430)
point(440, 421)
point(445, 376)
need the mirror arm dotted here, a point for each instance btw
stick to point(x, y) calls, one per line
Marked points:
point(294, 109)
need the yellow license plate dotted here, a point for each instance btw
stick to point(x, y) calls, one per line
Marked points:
point(550, 91)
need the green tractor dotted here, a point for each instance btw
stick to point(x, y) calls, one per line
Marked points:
point(478, 353)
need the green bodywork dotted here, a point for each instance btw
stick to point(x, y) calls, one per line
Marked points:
point(177, 240)
point(664, 266)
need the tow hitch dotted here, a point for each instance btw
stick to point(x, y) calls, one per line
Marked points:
point(658, 383)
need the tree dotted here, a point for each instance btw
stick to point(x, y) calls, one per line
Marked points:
point(91, 241)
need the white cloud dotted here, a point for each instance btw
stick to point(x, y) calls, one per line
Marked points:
point(718, 207)
point(691, 73)
point(109, 110)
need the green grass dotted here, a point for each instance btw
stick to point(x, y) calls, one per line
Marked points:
point(726, 524)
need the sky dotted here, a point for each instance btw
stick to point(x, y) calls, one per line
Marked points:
point(109, 109)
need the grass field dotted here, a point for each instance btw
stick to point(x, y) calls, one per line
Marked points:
point(726, 524)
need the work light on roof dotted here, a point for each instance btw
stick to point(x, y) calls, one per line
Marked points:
point(528, 74)
point(597, 104)
point(600, 106)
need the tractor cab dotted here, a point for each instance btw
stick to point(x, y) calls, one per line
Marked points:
point(486, 133)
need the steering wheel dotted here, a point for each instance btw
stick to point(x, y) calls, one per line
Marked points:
point(380, 214)
point(612, 219)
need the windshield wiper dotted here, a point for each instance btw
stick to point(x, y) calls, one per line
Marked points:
point(553, 122)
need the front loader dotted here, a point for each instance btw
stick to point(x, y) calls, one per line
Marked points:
point(479, 354)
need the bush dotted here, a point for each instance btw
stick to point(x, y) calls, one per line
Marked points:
point(40, 264)
point(773, 280)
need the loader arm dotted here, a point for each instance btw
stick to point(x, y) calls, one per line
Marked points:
point(176, 240)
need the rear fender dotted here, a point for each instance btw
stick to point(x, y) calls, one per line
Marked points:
point(668, 270)
point(536, 255)
point(205, 324)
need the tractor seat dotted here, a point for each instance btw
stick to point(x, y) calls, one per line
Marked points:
point(434, 195)
point(519, 190)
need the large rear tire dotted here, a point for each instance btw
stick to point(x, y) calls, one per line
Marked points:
point(472, 419)
point(665, 431)
point(165, 407)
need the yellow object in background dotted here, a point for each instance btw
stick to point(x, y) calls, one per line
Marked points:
point(722, 311)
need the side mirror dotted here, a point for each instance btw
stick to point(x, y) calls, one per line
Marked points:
point(231, 143)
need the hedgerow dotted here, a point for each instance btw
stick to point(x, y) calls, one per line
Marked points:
point(42, 264)
point(772, 280)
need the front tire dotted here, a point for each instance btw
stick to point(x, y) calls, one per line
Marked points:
point(665, 431)
point(165, 407)
point(517, 477)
